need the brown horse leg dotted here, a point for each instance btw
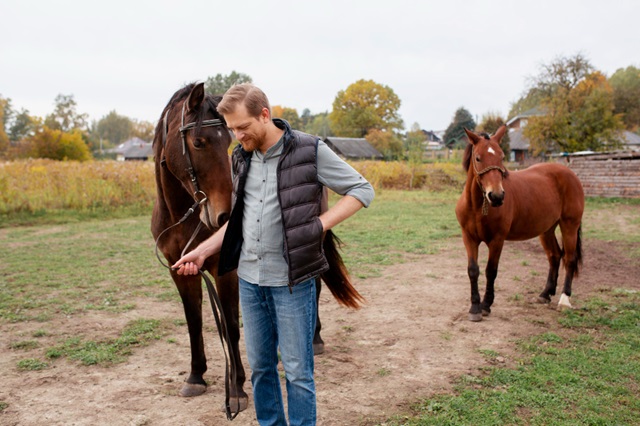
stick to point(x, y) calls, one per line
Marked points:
point(190, 292)
point(318, 343)
point(227, 288)
point(475, 312)
point(554, 256)
point(491, 272)
point(572, 242)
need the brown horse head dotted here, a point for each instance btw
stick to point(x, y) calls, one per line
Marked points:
point(483, 156)
point(194, 151)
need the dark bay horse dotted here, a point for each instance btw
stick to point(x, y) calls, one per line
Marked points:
point(192, 165)
point(498, 205)
point(192, 169)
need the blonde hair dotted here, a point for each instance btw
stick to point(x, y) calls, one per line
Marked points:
point(254, 99)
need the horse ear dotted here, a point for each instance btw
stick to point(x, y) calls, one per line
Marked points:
point(473, 138)
point(195, 97)
point(500, 132)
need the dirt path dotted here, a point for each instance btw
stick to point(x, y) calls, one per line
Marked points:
point(410, 341)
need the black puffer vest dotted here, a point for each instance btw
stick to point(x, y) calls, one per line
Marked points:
point(300, 196)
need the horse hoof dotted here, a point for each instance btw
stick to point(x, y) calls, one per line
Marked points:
point(237, 404)
point(486, 313)
point(475, 317)
point(318, 348)
point(190, 389)
point(564, 303)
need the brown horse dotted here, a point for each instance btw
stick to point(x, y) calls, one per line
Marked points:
point(192, 169)
point(498, 205)
point(192, 164)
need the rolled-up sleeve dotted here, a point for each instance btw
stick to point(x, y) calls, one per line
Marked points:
point(340, 177)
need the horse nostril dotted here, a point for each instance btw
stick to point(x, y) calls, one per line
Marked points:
point(222, 218)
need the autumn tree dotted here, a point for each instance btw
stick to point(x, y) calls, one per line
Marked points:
point(386, 142)
point(5, 116)
point(23, 125)
point(578, 109)
point(288, 114)
point(219, 84)
point(454, 135)
point(56, 145)
point(364, 106)
point(490, 123)
point(65, 116)
point(319, 124)
point(626, 96)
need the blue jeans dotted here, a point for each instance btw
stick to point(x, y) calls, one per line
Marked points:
point(275, 318)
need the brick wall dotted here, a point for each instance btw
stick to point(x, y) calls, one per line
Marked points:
point(609, 175)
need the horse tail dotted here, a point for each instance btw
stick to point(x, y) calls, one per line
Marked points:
point(578, 251)
point(337, 277)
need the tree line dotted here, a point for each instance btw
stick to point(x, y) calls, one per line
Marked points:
point(577, 108)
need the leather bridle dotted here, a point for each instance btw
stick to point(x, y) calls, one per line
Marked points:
point(200, 198)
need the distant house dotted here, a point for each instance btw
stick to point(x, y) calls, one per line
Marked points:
point(433, 140)
point(132, 149)
point(353, 148)
point(630, 141)
point(519, 145)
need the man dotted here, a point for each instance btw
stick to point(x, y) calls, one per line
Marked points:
point(273, 238)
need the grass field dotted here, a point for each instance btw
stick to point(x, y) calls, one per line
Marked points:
point(586, 373)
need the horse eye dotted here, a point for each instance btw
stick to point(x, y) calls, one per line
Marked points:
point(199, 142)
point(478, 159)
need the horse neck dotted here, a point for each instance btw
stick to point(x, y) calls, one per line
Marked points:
point(472, 189)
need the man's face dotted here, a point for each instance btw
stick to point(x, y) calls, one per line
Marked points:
point(249, 131)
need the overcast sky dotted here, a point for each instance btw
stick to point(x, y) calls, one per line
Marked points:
point(131, 56)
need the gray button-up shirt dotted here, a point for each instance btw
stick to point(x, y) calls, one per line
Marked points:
point(262, 259)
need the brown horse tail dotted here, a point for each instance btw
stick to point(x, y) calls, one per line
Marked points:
point(337, 277)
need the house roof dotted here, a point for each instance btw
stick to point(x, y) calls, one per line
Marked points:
point(141, 150)
point(631, 140)
point(517, 141)
point(355, 148)
point(529, 113)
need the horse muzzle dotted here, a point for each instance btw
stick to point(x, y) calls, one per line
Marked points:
point(496, 198)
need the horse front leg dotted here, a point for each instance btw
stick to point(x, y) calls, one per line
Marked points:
point(491, 272)
point(227, 288)
point(190, 292)
point(572, 241)
point(475, 312)
point(318, 343)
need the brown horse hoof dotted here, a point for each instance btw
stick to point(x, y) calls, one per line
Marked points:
point(475, 317)
point(237, 404)
point(318, 348)
point(189, 390)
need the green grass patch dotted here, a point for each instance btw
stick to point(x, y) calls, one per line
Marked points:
point(138, 333)
point(586, 372)
point(32, 364)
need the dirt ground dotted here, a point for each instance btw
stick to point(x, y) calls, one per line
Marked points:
point(411, 340)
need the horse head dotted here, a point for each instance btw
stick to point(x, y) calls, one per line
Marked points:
point(485, 156)
point(195, 151)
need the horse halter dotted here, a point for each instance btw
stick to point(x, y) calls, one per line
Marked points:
point(485, 203)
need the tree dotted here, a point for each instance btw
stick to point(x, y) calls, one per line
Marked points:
point(578, 109)
point(386, 142)
point(626, 96)
point(113, 128)
point(365, 106)
point(144, 130)
point(286, 113)
point(319, 124)
point(454, 135)
point(414, 149)
point(64, 116)
point(23, 125)
point(5, 116)
point(219, 84)
point(490, 123)
point(57, 145)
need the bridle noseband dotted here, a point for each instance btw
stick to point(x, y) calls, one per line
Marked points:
point(485, 203)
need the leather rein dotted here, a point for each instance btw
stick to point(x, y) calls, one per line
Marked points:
point(485, 203)
point(200, 198)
